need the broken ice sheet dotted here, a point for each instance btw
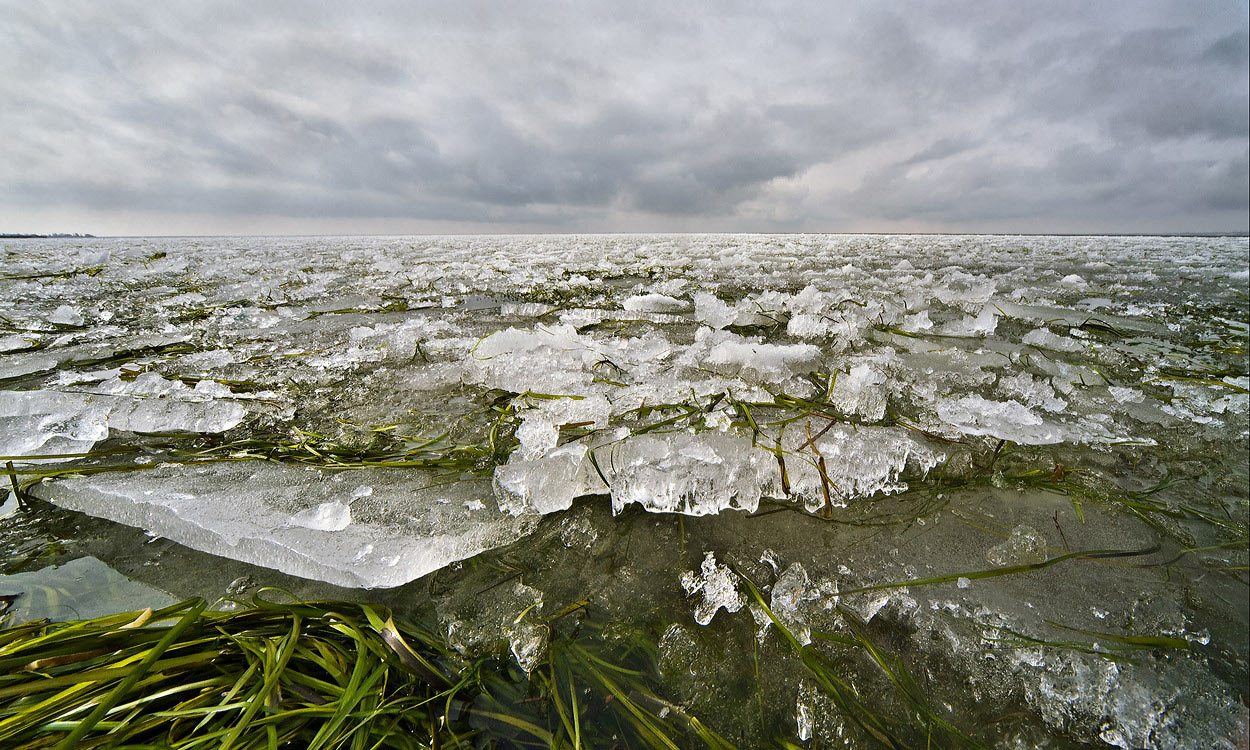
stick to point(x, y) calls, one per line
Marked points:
point(47, 421)
point(301, 521)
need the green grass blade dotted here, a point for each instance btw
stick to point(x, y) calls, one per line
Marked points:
point(112, 699)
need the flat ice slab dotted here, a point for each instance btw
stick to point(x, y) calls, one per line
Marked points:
point(370, 528)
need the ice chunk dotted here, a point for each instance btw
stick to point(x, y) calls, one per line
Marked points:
point(577, 532)
point(66, 315)
point(804, 715)
point(983, 324)
point(718, 586)
point(502, 616)
point(1037, 392)
point(540, 428)
point(527, 640)
point(174, 415)
point(917, 322)
point(660, 303)
point(861, 392)
point(715, 312)
point(682, 473)
point(818, 717)
point(868, 604)
point(859, 462)
point(753, 361)
point(288, 518)
point(525, 309)
point(553, 359)
point(17, 342)
point(1025, 546)
point(537, 437)
point(809, 326)
point(17, 366)
point(544, 485)
point(792, 594)
point(1042, 338)
point(331, 516)
point(1124, 395)
point(48, 422)
point(718, 420)
point(1008, 420)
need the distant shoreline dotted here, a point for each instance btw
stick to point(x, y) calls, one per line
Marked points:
point(591, 234)
point(57, 235)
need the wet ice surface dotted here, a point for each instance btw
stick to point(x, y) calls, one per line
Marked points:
point(82, 588)
point(370, 411)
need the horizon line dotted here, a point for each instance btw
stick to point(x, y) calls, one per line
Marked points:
point(88, 236)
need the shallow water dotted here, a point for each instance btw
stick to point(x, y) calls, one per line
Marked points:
point(479, 430)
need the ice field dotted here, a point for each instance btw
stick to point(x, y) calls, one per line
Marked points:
point(994, 486)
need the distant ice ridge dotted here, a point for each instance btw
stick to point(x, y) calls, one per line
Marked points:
point(367, 529)
point(47, 421)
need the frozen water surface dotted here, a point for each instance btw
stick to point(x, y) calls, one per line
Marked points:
point(498, 428)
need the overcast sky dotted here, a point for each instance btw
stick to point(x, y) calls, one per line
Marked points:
point(375, 117)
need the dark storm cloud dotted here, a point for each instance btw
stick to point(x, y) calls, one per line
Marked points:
point(1119, 116)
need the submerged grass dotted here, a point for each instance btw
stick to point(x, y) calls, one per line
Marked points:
point(919, 725)
point(321, 675)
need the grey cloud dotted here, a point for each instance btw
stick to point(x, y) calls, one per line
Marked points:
point(940, 149)
point(1232, 50)
point(1078, 184)
point(569, 114)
